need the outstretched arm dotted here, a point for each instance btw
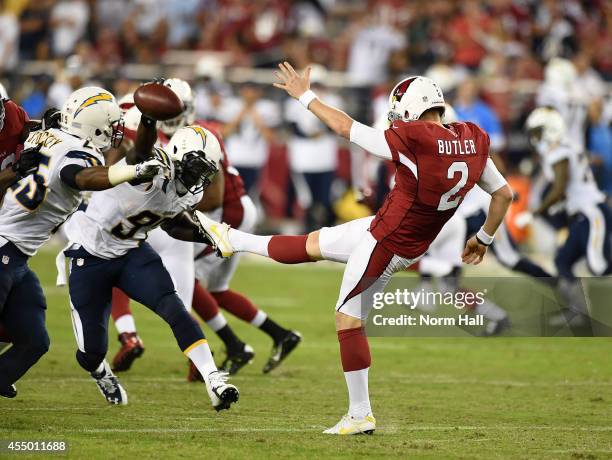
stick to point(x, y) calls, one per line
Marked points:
point(298, 87)
point(184, 227)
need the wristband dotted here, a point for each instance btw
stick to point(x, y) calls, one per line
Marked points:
point(306, 98)
point(484, 238)
point(147, 121)
point(121, 173)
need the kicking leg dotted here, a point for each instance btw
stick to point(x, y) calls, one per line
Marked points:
point(329, 243)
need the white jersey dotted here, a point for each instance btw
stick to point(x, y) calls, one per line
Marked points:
point(119, 219)
point(38, 204)
point(581, 189)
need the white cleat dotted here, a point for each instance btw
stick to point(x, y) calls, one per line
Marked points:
point(222, 394)
point(218, 233)
point(109, 386)
point(352, 425)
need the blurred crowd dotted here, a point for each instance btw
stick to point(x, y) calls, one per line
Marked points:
point(494, 59)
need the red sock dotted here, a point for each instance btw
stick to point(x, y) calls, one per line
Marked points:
point(237, 304)
point(204, 303)
point(288, 249)
point(354, 349)
point(121, 304)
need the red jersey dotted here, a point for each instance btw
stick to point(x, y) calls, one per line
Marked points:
point(435, 167)
point(11, 136)
point(234, 187)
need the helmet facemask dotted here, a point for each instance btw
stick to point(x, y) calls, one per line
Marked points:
point(115, 136)
point(195, 172)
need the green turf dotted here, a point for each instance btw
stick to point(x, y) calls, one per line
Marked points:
point(433, 397)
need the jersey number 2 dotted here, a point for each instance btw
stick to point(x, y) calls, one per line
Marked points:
point(449, 200)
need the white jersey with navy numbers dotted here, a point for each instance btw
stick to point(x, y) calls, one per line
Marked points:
point(38, 204)
point(581, 188)
point(119, 219)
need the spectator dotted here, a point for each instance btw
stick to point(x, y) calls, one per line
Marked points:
point(249, 129)
point(34, 30)
point(9, 39)
point(371, 44)
point(69, 19)
point(313, 156)
point(470, 107)
point(600, 145)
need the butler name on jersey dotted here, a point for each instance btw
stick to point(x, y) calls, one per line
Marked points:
point(39, 203)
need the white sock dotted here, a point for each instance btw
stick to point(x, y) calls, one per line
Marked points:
point(125, 323)
point(217, 322)
point(247, 242)
point(200, 355)
point(359, 398)
point(100, 370)
point(259, 319)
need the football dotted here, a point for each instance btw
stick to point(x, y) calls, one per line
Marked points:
point(158, 101)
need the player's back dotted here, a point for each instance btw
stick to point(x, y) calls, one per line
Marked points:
point(38, 204)
point(118, 219)
point(436, 166)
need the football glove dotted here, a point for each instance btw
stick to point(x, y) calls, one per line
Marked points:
point(150, 168)
point(51, 119)
point(27, 163)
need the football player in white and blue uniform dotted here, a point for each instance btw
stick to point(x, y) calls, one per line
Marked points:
point(107, 249)
point(565, 165)
point(71, 160)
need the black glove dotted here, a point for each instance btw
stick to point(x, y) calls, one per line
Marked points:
point(51, 119)
point(27, 163)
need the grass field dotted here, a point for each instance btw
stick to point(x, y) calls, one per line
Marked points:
point(433, 397)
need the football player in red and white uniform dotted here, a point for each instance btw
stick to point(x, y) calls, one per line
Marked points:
point(436, 165)
point(225, 198)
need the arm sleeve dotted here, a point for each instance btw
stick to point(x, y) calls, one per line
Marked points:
point(491, 179)
point(370, 139)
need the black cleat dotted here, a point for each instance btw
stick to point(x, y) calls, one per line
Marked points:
point(222, 394)
point(109, 386)
point(281, 350)
point(8, 392)
point(236, 361)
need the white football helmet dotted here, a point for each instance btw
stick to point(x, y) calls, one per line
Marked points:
point(413, 96)
point(3, 92)
point(132, 118)
point(196, 155)
point(183, 91)
point(92, 113)
point(545, 128)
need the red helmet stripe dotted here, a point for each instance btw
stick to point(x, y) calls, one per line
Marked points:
point(403, 87)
